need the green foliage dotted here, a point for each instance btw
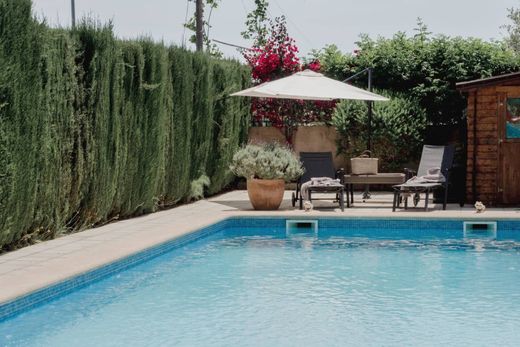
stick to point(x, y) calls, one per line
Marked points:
point(513, 29)
point(257, 23)
point(197, 187)
point(397, 129)
point(93, 128)
point(333, 62)
point(423, 66)
point(421, 71)
point(268, 161)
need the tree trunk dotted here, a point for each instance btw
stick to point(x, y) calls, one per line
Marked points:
point(199, 24)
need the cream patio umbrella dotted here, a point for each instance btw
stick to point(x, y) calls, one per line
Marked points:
point(309, 85)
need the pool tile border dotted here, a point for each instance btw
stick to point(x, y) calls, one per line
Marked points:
point(41, 296)
point(373, 222)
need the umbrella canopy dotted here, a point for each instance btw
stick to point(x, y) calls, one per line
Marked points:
point(309, 85)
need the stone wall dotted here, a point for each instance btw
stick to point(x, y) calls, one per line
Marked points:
point(319, 138)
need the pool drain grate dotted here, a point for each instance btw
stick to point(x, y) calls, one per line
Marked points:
point(480, 229)
point(302, 226)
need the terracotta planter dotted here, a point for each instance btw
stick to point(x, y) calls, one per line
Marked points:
point(265, 194)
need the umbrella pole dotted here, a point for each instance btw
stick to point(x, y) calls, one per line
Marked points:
point(369, 137)
point(369, 71)
point(369, 133)
point(366, 193)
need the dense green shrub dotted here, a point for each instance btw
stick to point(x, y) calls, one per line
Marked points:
point(93, 128)
point(423, 66)
point(397, 129)
point(424, 69)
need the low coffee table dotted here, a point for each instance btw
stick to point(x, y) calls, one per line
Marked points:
point(389, 178)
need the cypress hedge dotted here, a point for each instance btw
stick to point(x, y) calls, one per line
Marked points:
point(93, 128)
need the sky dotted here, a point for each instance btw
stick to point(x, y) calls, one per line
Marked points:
point(312, 23)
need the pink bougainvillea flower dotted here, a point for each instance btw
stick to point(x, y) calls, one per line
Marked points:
point(276, 59)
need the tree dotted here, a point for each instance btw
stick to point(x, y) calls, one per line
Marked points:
point(424, 66)
point(276, 57)
point(191, 25)
point(397, 129)
point(513, 29)
point(257, 23)
point(333, 62)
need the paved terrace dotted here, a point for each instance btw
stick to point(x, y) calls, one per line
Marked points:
point(46, 263)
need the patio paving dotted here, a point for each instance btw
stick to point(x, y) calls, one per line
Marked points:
point(46, 263)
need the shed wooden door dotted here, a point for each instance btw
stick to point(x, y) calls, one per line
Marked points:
point(509, 146)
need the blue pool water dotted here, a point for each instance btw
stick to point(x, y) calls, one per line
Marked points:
point(250, 286)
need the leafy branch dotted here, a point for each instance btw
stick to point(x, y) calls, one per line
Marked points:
point(257, 23)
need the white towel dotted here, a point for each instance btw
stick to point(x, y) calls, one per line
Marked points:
point(434, 175)
point(318, 182)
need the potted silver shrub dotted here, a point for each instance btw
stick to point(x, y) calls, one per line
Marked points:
point(266, 167)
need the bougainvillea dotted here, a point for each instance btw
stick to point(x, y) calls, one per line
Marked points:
point(274, 59)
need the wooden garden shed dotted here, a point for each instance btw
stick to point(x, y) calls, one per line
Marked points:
point(493, 139)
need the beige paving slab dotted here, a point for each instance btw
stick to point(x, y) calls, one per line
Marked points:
point(46, 263)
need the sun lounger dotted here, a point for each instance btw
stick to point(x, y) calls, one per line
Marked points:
point(426, 179)
point(320, 165)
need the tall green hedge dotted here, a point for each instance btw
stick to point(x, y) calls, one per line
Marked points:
point(93, 128)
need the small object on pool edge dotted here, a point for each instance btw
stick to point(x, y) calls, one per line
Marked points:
point(480, 207)
point(307, 205)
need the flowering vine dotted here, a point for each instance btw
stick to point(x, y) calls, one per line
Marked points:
point(275, 58)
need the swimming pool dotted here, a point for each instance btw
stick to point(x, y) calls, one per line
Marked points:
point(246, 282)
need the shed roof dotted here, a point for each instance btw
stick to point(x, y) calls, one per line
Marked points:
point(507, 79)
